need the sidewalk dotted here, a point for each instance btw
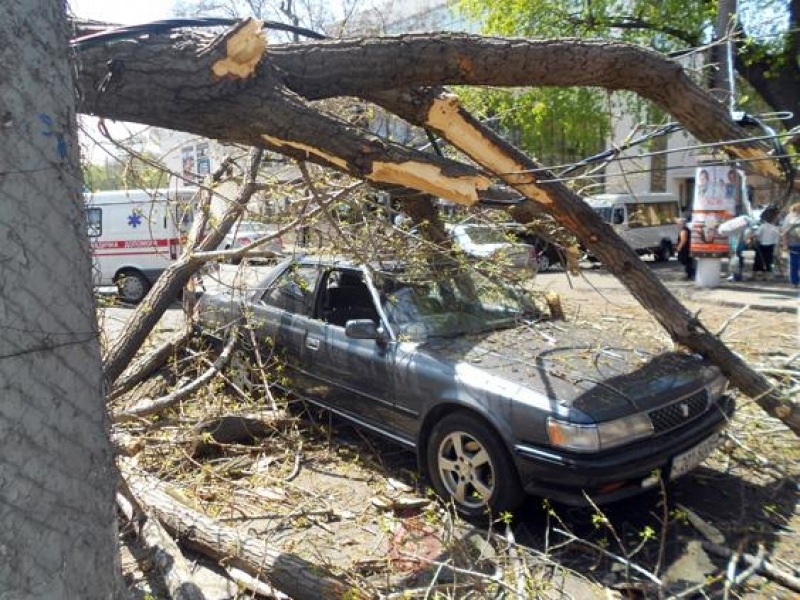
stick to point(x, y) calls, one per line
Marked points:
point(775, 296)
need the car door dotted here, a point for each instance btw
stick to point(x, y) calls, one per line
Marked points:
point(354, 377)
point(281, 317)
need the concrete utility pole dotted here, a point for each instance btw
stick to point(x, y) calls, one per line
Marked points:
point(58, 537)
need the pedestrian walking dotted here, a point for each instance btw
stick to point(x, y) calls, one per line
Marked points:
point(736, 230)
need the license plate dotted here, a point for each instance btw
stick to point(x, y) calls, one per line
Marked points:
point(686, 461)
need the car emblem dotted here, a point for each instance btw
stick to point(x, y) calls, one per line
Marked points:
point(685, 410)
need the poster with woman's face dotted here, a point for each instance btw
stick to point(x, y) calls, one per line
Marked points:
point(716, 192)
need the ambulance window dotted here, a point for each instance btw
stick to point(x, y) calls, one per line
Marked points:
point(94, 222)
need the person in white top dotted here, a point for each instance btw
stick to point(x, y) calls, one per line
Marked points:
point(767, 235)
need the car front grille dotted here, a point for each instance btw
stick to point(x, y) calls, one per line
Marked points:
point(679, 413)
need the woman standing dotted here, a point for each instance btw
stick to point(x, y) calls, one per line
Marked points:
point(766, 237)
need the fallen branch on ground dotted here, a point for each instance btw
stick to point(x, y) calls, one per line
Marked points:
point(763, 567)
point(149, 363)
point(159, 404)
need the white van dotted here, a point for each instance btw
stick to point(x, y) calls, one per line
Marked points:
point(135, 235)
point(647, 222)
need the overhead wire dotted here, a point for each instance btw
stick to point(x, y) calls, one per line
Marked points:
point(156, 27)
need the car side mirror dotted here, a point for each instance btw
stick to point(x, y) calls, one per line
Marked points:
point(362, 329)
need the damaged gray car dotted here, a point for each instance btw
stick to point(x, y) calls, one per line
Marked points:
point(496, 400)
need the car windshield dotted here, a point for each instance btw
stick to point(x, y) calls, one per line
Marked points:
point(449, 302)
point(604, 212)
point(486, 235)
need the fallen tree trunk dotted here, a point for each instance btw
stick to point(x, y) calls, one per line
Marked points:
point(165, 554)
point(288, 573)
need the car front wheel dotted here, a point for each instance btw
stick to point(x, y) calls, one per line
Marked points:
point(132, 286)
point(663, 253)
point(469, 466)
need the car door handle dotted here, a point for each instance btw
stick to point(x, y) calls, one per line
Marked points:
point(312, 344)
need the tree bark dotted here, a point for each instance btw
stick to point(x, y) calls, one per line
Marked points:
point(58, 536)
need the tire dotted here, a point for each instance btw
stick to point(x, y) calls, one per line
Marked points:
point(543, 263)
point(664, 252)
point(469, 467)
point(132, 286)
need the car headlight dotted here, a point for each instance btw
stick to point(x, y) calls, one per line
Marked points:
point(581, 438)
point(717, 387)
point(593, 438)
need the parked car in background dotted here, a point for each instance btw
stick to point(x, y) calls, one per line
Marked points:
point(244, 233)
point(548, 254)
point(494, 243)
point(495, 400)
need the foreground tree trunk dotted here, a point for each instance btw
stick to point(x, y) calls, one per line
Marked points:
point(57, 478)
point(243, 92)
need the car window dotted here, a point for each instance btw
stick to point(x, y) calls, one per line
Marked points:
point(346, 297)
point(293, 290)
point(94, 222)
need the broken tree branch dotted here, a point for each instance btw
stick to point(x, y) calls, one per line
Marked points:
point(172, 281)
point(157, 405)
point(149, 363)
point(165, 554)
point(442, 112)
point(765, 568)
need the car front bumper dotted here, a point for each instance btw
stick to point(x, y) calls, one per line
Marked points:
point(572, 478)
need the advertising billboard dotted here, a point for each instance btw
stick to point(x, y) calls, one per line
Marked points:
point(716, 193)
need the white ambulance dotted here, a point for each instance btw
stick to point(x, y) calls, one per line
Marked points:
point(135, 235)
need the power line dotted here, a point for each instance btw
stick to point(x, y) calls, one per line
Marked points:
point(155, 27)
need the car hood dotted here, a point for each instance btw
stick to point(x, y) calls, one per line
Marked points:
point(580, 371)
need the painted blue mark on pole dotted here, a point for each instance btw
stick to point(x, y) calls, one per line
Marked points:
point(49, 131)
